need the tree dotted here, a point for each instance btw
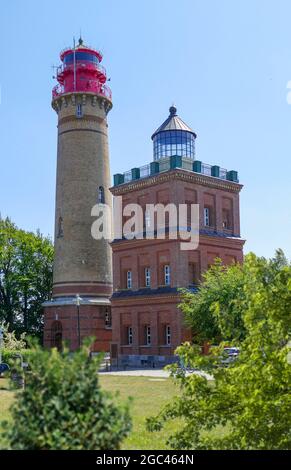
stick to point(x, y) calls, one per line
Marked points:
point(25, 277)
point(215, 312)
point(251, 398)
point(63, 406)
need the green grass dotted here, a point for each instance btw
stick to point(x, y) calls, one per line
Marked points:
point(148, 394)
point(6, 400)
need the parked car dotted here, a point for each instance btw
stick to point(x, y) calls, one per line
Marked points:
point(229, 355)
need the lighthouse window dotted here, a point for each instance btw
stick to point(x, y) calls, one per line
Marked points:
point(79, 111)
point(101, 195)
point(128, 279)
point(147, 275)
point(168, 334)
point(147, 335)
point(206, 216)
point(60, 228)
point(167, 275)
point(129, 335)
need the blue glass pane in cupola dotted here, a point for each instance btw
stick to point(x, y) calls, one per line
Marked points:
point(174, 137)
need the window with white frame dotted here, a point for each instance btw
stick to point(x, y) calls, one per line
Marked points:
point(108, 320)
point(206, 216)
point(129, 335)
point(79, 110)
point(129, 279)
point(167, 274)
point(147, 218)
point(147, 335)
point(147, 276)
point(168, 334)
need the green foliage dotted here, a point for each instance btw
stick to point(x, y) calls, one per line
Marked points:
point(10, 341)
point(250, 398)
point(215, 312)
point(141, 389)
point(9, 356)
point(63, 406)
point(25, 277)
point(13, 351)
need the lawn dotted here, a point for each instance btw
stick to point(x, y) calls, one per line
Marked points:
point(148, 394)
point(6, 400)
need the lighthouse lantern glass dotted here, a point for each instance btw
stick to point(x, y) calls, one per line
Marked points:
point(168, 143)
point(80, 56)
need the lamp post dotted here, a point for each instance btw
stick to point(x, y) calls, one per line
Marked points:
point(78, 301)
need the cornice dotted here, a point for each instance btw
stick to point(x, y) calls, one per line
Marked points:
point(71, 300)
point(142, 300)
point(68, 99)
point(177, 173)
point(230, 242)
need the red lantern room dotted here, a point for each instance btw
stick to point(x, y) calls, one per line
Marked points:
point(81, 71)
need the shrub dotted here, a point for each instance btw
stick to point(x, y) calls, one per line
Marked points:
point(63, 406)
point(9, 356)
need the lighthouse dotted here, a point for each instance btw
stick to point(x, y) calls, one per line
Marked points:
point(82, 277)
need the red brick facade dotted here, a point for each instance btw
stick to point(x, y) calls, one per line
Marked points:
point(146, 320)
point(148, 273)
point(61, 324)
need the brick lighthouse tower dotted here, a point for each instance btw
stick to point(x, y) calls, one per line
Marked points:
point(82, 279)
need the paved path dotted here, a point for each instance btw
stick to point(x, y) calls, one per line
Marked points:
point(158, 373)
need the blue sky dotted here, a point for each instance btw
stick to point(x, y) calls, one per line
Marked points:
point(225, 64)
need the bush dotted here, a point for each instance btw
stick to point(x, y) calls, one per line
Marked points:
point(10, 356)
point(63, 406)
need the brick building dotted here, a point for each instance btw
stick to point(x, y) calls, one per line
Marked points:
point(135, 313)
point(147, 326)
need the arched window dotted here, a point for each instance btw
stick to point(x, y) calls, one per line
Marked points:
point(56, 335)
point(101, 195)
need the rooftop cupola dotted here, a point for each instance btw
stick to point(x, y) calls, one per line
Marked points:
point(174, 137)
